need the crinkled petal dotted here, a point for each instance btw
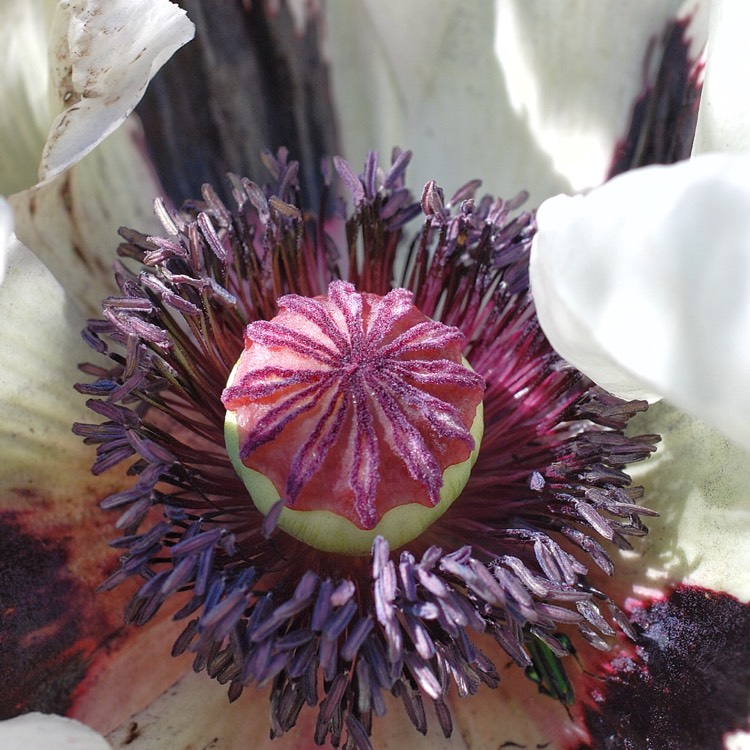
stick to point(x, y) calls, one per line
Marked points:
point(103, 53)
point(523, 94)
point(699, 483)
point(725, 103)
point(644, 285)
point(71, 222)
point(71, 74)
point(37, 731)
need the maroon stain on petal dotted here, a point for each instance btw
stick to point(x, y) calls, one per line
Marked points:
point(686, 685)
point(43, 654)
point(248, 81)
point(662, 124)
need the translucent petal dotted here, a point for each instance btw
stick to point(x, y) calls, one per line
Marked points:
point(425, 74)
point(523, 94)
point(40, 346)
point(725, 104)
point(103, 53)
point(71, 222)
point(194, 713)
point(700, 484)
point(37, 731)
point(644, 284)
point(573, 71)
point(511, 716)
point(25, 116)
point(6, 235)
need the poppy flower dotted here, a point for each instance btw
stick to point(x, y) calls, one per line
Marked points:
point(483, 247)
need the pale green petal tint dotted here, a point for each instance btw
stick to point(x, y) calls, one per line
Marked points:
point(103, 53)
point(71, 222)
point(699, 482)
point(37, 731)
point(72, 71)
point(47, 492)
point(522, 93)
point(644, 284)
point(40, 347)
point(25, 116)
point(6, 235)
point(724, 115)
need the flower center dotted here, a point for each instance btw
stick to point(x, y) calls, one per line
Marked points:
point(358, 412)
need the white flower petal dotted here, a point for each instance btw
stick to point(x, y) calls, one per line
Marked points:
point(196, 713)
point(103, 54)
point(25, 116)
point(521, 93)
point(573, 72)
point(6, 234)
point(423, 75)
point(71, 222)
point(40, 346)
point(37, 731)
point(644, 284)
point(738, 740)
point(139, 658)
point(725, 103)
point(700, 484)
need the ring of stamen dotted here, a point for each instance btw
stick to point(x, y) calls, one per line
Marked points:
point(548, 493)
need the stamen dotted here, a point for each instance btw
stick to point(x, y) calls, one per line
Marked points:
point(355, 364)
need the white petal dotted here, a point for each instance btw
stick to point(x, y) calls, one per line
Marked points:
point(644, 284)
point(574, 71)
point(103, 54)
point(40, 346)
point(37, 731)
point(6, 235)
point(738, 740)
point(196, 713)
point(26, 115)
point(49, 500)
point(700, 484)
point(522, 94)
point(423, 75)
point(725, 103)
point(71, 222)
